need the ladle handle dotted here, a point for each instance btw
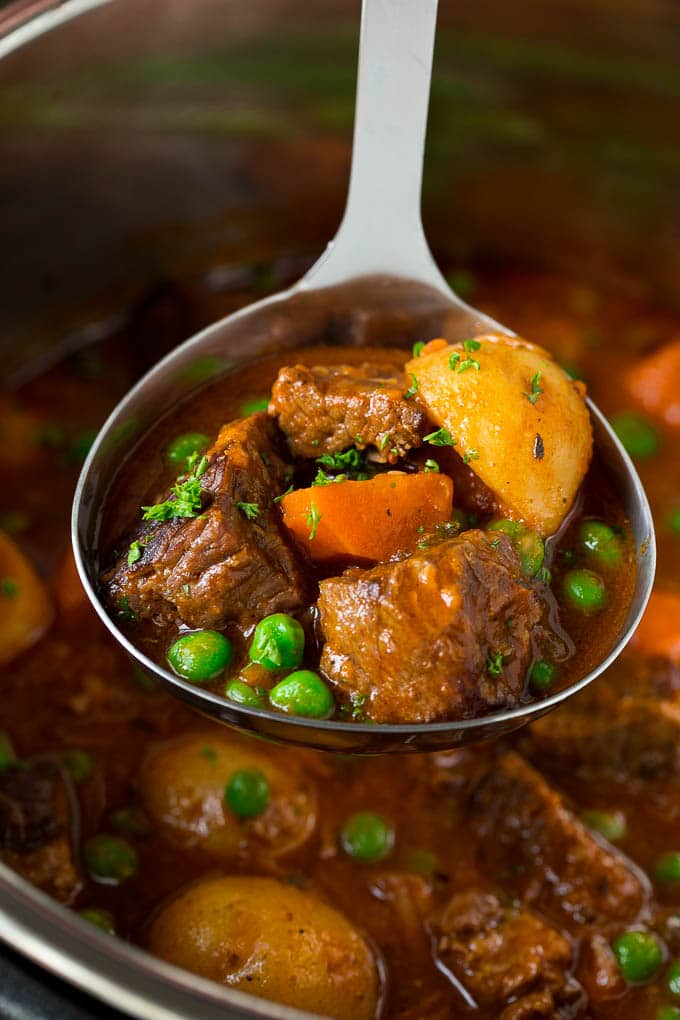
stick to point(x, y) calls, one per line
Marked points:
point(381, 231)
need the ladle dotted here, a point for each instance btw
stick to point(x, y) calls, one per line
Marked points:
point(377, 270)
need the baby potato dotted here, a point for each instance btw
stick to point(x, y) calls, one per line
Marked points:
point(26, 608)
point(273, 940)
point(515, 417)
point(183, 783)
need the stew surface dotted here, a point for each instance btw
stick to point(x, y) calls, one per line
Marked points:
point(537, 877)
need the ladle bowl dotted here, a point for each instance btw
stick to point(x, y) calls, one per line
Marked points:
point(376, 282)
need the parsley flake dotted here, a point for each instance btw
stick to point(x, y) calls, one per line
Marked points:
point(312, 517)
point(442, 437)
point(187, 492)
point(431, 466)
point(494, 666)
point(277, 499)
point(417, 349)
point(413, 388)
point(471, 345)
point(9, 587)
point(470, 455)
point(535, 388)
point(453, 360)
point(469, 363)
point(249, 510)
point(135, 551)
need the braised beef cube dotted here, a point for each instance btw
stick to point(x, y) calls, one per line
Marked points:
point(535, 847)
point(332, 407)
point(232, 562)
point(502, 955)
point(622, 737)
point(36, 827)
point(445, 633)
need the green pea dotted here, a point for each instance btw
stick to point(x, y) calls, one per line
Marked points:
point(110, 859)
point(508, 527)
point(531, 551)
point(182, 447)
point(638, 954)
point(667, 868)
point(7, 755)
point(367, 837)
point(583, 589)
point(542, 676)
point(247, 793)
point(528, 544)
point(668, 1013)
point(242, 693)
point(200, 655)
point(639, 438)
point(131, 821)
point(673, 521)
point(78, 764)
point(99, 918)
point(303, 693)
point(601, 542)
point(253, 405)
point(673, 978)
point(610, 824)
point(278, 642)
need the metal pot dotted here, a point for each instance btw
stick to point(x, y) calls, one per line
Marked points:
point(147, 141)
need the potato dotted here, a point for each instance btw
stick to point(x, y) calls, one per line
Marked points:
point(273, 940)
point(182, 783)
point(516, 418)
point(26, 608)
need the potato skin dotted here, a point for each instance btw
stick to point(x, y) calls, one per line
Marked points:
point(532, 454)
point(273, 940)
point(182, 783)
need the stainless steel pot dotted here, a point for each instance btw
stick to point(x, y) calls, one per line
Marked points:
point(145, 141)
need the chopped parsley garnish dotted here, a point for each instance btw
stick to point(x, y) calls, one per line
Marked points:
point(442, 437)
point(124, 611)
point(9, 587)
point(135, 551)
point(210, 754)
point(187, 492)
point(544, 575)
point(312, 517)
point(469, 363)
point(471, 345)
point(494, 666)
point(321, 478)
point(535, 388)
point(431, 465)
point(277, 499)
point(351, 458)
point(358, 702)
point(417, 348)
point(470, 455)
point(413, 388)
point(453, 360)
point(186, 588)
point(384, 441)
point(249, 510)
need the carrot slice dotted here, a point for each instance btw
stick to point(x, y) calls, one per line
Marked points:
point(659, 630)
point(654, 381)
point(26, 606)
point(370, 520)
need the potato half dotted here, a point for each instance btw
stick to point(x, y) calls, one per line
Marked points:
point(516, 418)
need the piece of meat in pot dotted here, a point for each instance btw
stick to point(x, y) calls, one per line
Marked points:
point(504, 956)
point(329, 408)
point(233, 561)
point(445, 633)
point(36, 827)
point(535, 847)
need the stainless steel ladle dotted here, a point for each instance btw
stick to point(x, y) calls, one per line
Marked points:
point(378, 269)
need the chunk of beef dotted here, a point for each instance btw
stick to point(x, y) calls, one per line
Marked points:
point(36, 823)
point(223, 565)
point(623, 737)
point(331, 407)
point(503, 956)
point(445, 633)
point(539, 851)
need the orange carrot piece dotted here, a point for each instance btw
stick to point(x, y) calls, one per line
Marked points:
point(654, 381)
point(434, 345)
point(659, 630)
point(370, 520)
